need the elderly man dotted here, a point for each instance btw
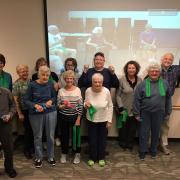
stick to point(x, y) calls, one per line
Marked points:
point(170, 73)
point(7, 110)
point(152, 105)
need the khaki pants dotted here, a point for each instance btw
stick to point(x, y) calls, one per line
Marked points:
point(164, 132)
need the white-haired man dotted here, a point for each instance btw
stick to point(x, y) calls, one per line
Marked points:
point(152, 105)
point(170, 73)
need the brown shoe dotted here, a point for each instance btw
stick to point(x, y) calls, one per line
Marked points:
point(165, 150)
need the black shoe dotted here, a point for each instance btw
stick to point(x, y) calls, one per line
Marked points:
point(106, 153)
point(142, 156)
point(129, 147)
point(153, 155)
point(52, 162)
point(11, 173)
point(123, 146)
point(28, 155)
point(38, 163)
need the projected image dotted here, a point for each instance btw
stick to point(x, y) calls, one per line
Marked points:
point(121, 35)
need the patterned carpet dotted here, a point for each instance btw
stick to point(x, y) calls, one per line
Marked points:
point(120, 165)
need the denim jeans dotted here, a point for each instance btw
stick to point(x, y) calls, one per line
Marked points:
point(151, 121)
point(38, 121)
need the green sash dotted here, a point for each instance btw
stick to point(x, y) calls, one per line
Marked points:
point(121, 118)
point(76, 137)
point(160, 84)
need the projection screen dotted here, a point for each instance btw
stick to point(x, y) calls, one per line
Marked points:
point(134, 31)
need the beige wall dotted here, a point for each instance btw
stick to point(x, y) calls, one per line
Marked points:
point(22, 37)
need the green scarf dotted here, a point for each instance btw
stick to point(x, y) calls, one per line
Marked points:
point(76, 137)
point(121, 118)
point(91, 110)
point(160, 84)
point(51, 79)
point(3, 81)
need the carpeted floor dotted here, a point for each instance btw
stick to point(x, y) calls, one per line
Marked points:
point(120, 165)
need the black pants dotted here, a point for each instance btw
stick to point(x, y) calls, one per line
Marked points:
point(28, 133)
point(127, 133)
point(7, 144)
point(67, 123)
point(97, 133)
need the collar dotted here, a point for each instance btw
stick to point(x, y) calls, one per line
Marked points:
point(166, 70)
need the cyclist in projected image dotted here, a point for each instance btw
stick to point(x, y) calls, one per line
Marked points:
point(57, 44)
point(148, 43)
point(98, 42)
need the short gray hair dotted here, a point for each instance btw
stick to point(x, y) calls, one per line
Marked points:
point(21, 66)
point(43, 69)
point(97, 75)
point(168, 53)
point(154, 65)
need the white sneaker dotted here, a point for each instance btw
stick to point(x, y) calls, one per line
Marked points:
point(63, 158)
point(77, 158)
point(57, 141)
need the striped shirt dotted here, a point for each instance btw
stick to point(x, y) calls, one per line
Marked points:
point(73, 98)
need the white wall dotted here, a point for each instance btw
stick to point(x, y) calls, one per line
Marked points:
point(22, 37)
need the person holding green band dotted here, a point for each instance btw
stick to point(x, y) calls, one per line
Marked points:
point(152, 105)
point(70, 110)
point(124, 97)
point(99, 107)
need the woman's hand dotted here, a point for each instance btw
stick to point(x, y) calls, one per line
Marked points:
point(62, 106)
point(87, 104)
point(108, 125)
point(39, 108)
point(49, 104)
point(21, 117)
point(78, 120)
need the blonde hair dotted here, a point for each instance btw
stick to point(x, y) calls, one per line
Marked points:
point(21, 66)
point(43, 69)
point(68, 73)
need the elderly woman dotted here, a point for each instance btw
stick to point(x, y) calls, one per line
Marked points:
point(5, 78)
point(40, 98)
point(99, 115)
point(70, 109)
point(124, 99)
point(19, 89)
point(152, 105)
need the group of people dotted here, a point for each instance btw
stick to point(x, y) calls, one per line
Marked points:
point(52, 107)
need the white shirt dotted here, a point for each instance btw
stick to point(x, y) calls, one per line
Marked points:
point(103, 104)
